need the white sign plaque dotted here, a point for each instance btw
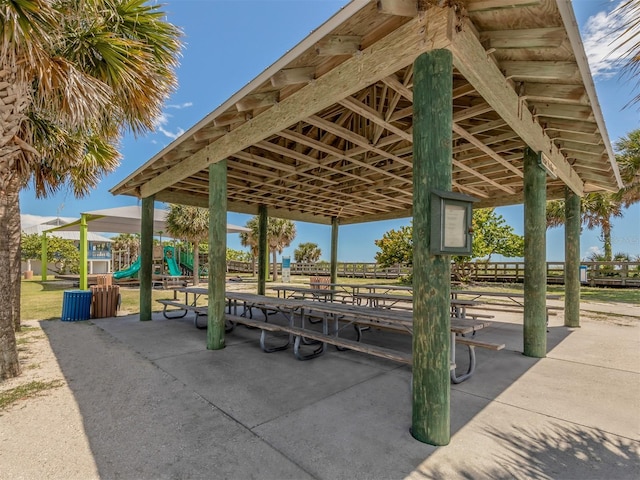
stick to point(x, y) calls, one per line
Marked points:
point(454, 226)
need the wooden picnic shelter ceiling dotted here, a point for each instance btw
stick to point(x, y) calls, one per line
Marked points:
point(326, 131)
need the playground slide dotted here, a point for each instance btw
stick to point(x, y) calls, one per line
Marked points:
point(128, 272)
point(174, 270)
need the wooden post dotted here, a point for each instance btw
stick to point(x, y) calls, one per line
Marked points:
point(217, 254)
point(535, 257)
point(432, 137)
point(572, 259)
point(263, 250)
point(335, 224)
point(146, 257)
point(44, 257)
point(84, 254)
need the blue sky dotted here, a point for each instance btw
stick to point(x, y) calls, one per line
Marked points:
point(228, 43)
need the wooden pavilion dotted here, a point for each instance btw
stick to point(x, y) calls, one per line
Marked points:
point(384, 103)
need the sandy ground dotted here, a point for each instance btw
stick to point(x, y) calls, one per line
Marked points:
point(42, 436)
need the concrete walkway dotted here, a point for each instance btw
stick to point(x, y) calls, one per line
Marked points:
point(156, 404)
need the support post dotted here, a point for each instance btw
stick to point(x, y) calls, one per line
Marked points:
point(146, 257)
point(432, 137)
point(335, 226)
point(535, 257)
point(217, 254)
point(572, 259)
point(44, 257)
point(84, 254)
point(263, 250)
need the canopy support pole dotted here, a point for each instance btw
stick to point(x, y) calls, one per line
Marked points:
point(432, 153)
point(217, 254)
point(335, 226)
point(263, 250)
point(535, 256)
point(146, 257)
point(572, 259)
point(44, 258)
point(84, 254)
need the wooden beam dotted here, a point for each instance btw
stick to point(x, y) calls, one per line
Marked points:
point(388, 55)
point(550, 37)
point(373, 115)
point(401, 8)
point(354, 138)
point(485, 5)
point(471, 60)
point(293, 76)
point(541, 71)
point(565, 112)
point(257, 100)
point(229, 119)
point(338, 45)
point(555, 93)
point(478, 144)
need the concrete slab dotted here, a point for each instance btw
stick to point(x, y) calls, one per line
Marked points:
point(143, 423)
point(255, 387)
point(157, 404)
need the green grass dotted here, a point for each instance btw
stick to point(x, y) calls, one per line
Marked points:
point(31, 389)
point(589, 294)
point(44, 302)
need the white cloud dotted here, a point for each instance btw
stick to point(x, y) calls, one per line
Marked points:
point(592, 251)
point(604, 36)
point(159, 126)
point(181, 105)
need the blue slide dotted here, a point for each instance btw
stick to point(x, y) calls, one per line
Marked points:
point(172, 265)
point(128, 272)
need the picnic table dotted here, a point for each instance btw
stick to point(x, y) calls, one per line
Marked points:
point(297, 292)
point(506, 301)
point(183, 308)
point(389, 300)
point(335, 318)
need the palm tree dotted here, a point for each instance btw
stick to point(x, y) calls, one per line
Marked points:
point(250, 239)
point(628, 158)
point(192, 225)
point(629, 12)
point(280, 234)
point(73, 74)
point(597, 210)
point(307, 253)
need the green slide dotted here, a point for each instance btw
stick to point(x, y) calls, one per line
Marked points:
point(128, 272)
point(172, 265)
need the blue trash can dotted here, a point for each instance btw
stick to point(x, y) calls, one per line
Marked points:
point(76, 305)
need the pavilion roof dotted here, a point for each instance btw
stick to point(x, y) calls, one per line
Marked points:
point(326, 131)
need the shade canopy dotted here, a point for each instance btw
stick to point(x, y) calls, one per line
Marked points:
point(126, 220)
point(326, 131)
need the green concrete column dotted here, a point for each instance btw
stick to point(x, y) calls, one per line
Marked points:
point(146, 257)
point(44, 257)
point(217, 254)
point(335, 225)
point(84, 253)
point(263, 250)
point(535, 257)
point(571, 259)
point(432, 124)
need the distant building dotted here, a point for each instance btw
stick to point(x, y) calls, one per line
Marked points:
point(99, 254)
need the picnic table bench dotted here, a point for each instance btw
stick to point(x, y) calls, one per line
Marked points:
point(507, 301)
point(335, 318)
point(183, 308)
